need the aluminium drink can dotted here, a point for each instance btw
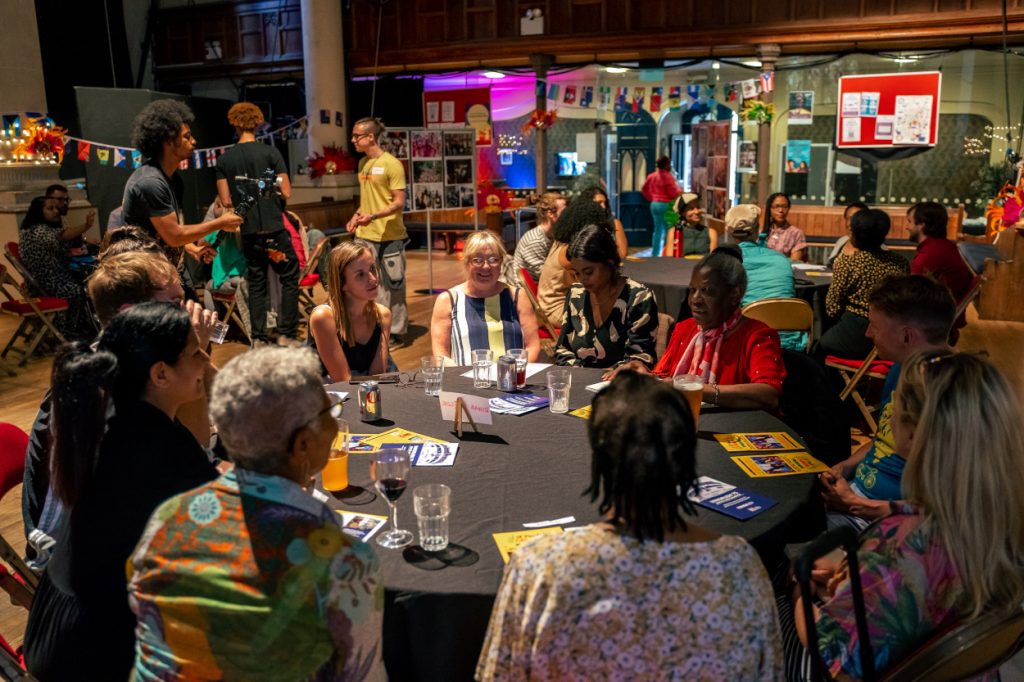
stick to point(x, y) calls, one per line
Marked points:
point(370, 408)
point(507, 373)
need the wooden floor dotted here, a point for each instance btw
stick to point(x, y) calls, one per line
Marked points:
point(20, 395)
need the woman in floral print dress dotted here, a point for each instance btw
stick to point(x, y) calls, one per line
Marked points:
point(644, 594)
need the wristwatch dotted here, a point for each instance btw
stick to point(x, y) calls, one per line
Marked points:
point(373, 216)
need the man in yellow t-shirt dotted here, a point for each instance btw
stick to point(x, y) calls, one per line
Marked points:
point(379, 219)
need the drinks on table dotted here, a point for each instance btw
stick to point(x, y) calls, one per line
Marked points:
point(389, 469)
point(482, 361)
point(432, 368)
point(559, 383)
point(432, 504)
point(692, 387)
point(521, 361)
point(335, 473)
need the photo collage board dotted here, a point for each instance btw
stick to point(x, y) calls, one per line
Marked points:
point(440, 166)
point(709, 173)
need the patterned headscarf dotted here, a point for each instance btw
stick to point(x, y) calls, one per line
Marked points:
point(701, 355)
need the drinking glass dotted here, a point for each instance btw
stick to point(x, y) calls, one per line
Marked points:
point(559, 383)
point(483, 360)
point(521, 361)
point(432, 504)
point(692, 387)
point(389, 467)
point(335, 474)
point(432, 368)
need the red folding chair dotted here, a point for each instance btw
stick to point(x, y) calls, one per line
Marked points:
point(852, 372)
point(547, 332)
point(36, 315)
point(308, 278)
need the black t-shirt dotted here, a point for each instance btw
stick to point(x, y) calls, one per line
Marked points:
point(151, 194)
point(252, 159)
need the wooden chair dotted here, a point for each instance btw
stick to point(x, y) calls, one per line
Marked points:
point(231, 312)
point(784, 315)
point(36, 317)
point(964, 650)
point(548, 332)
point(853, 371)
point(309, 278)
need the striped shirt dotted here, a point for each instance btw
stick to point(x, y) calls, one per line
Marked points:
point(479, 323)
point(532, 251)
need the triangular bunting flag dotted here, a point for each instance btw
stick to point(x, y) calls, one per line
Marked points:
point(620, 98)
point(83, 151)
point(656, 99)
point(553, 92)
point(749, 88)
point(183, 165)
point(638, 99)
point(604, 97)
point(136, 158)
point(120, 158)
point(103, 154)
point(693, 92)
point(541, 88)
point(674, 94)
point(588, 95)
point(197, 159)
point(768, 81)
point(570, 95)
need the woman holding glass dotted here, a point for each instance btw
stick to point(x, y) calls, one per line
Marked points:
point(350, 332)
point(645, 593)
point(249, 576)
point(609, 319)
point(482, 313)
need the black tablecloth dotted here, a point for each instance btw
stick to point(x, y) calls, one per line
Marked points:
point(669, 281)
point(519, 470)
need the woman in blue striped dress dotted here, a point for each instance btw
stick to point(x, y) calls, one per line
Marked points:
point(482, 312)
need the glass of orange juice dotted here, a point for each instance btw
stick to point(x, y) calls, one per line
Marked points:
point(692, 388)
point(335, 474)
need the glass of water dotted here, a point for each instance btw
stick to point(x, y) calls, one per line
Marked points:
point(521, 361)
point(432, 369)
point(432, 504)
point(483, 360)
point(559, 383)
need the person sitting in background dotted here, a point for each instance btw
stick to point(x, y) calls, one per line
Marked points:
point(533, 247)
point(350, 332)
point(780, 236)
point(77, 245)
point(769, 273)
point(44, 256)
point(148, 362)
point(482, 312)
point(956, 550)
point(617, 599)
point(304, 241)
point(308, 604)
point(600, 197)
point(660, 188)
point(739, 359)
point(854, 278)
point(227, 268)
point(698, 238)
point(906, 315)
point(609, 319)
point(938, 256)
point(844, 246)
point(556, 273)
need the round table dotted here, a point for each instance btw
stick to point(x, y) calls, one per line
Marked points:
point(519, 470)
point(669, 281)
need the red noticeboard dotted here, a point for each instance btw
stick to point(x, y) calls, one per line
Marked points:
point(888, 110)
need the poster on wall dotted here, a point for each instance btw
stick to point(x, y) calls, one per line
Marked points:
point(458, 109)
point(798, 156)
point(440, 166)
point(459, 169)
point(747, 161)
point(710, 163)
point(888, 110)
point(801, 108)
point(396, 143)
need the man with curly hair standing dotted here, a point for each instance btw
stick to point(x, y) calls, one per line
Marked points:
point(265, 242)
point(153, 196)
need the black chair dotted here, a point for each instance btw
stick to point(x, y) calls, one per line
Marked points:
point(811, 407)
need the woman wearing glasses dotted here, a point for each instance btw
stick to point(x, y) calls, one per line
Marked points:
point(482, 312)
point(350, 332)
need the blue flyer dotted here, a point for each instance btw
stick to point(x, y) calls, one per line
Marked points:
point(729, 500)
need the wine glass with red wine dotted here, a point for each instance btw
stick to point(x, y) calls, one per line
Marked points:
point(389, 468)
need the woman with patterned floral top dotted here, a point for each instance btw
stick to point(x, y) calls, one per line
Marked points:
point(645, 594)
point(854, 277)
point(609, 319)
point(250, 577)
point(956, 550)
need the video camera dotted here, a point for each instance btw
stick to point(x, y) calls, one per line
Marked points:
point(268, 184)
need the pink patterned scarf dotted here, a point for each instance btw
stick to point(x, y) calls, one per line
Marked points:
point(701, 355)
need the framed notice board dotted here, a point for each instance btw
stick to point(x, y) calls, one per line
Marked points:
point(888, 110)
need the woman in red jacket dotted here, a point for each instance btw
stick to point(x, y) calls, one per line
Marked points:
point(660, 188)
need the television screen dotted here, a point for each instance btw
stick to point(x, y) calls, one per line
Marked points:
point(568, 165)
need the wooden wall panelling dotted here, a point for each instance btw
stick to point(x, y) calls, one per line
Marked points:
point(647, 15)
point(558, 12)
point(914, 6)
point(874, 8)
point(455, 22)
point(741, 13)
point(588, 16)
point(807, 10)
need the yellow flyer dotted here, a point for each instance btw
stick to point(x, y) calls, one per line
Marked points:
point(582, 412)
point(508, 542)
point(397, 435)
point(787, 464)
point(757, 442)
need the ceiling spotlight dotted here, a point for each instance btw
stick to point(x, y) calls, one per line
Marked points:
point(756, 63)
point(493, 74)
point(616, 69)
point(716, 65)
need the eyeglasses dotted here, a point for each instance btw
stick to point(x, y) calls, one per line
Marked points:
point(490, 260)
point(336, 408)
point(358, 136)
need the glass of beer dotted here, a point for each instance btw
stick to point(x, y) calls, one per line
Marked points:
point(692, 387)
point(335, 474)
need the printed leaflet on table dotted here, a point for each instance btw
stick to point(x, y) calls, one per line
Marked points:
point(510, 541)
point(755, 442)
point(359, 525)
point(511, 403)
point(787, 464)
point(729, 500)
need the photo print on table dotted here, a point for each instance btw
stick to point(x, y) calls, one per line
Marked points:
point(426, 144)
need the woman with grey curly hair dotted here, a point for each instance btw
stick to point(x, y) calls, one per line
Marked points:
point(254, 568)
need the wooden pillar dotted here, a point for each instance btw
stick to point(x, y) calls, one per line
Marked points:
point(768, 53)
point(541, 63)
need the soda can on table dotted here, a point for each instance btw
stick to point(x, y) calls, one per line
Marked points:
point(370, 408)
point(506, 373)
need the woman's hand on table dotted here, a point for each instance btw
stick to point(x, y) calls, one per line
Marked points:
point(634, 365)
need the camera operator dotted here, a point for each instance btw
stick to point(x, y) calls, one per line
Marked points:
point(265, 242)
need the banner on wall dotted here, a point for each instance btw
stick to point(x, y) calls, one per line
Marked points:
point(888, 110)
point(440, 166)
point(459, 108)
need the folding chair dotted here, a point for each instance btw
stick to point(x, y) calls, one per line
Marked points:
point(784, 315)
point(36, 317)
point(852, 372)
point(12, 252)
point(309, 278)
point(547, 332)
point(231, 314)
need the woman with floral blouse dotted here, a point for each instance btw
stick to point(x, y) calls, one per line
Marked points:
point(644, 594)
point(609, 319)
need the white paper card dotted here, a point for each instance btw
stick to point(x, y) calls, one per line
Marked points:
point(598, 386)
point(335, 389)
point(479, 407)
